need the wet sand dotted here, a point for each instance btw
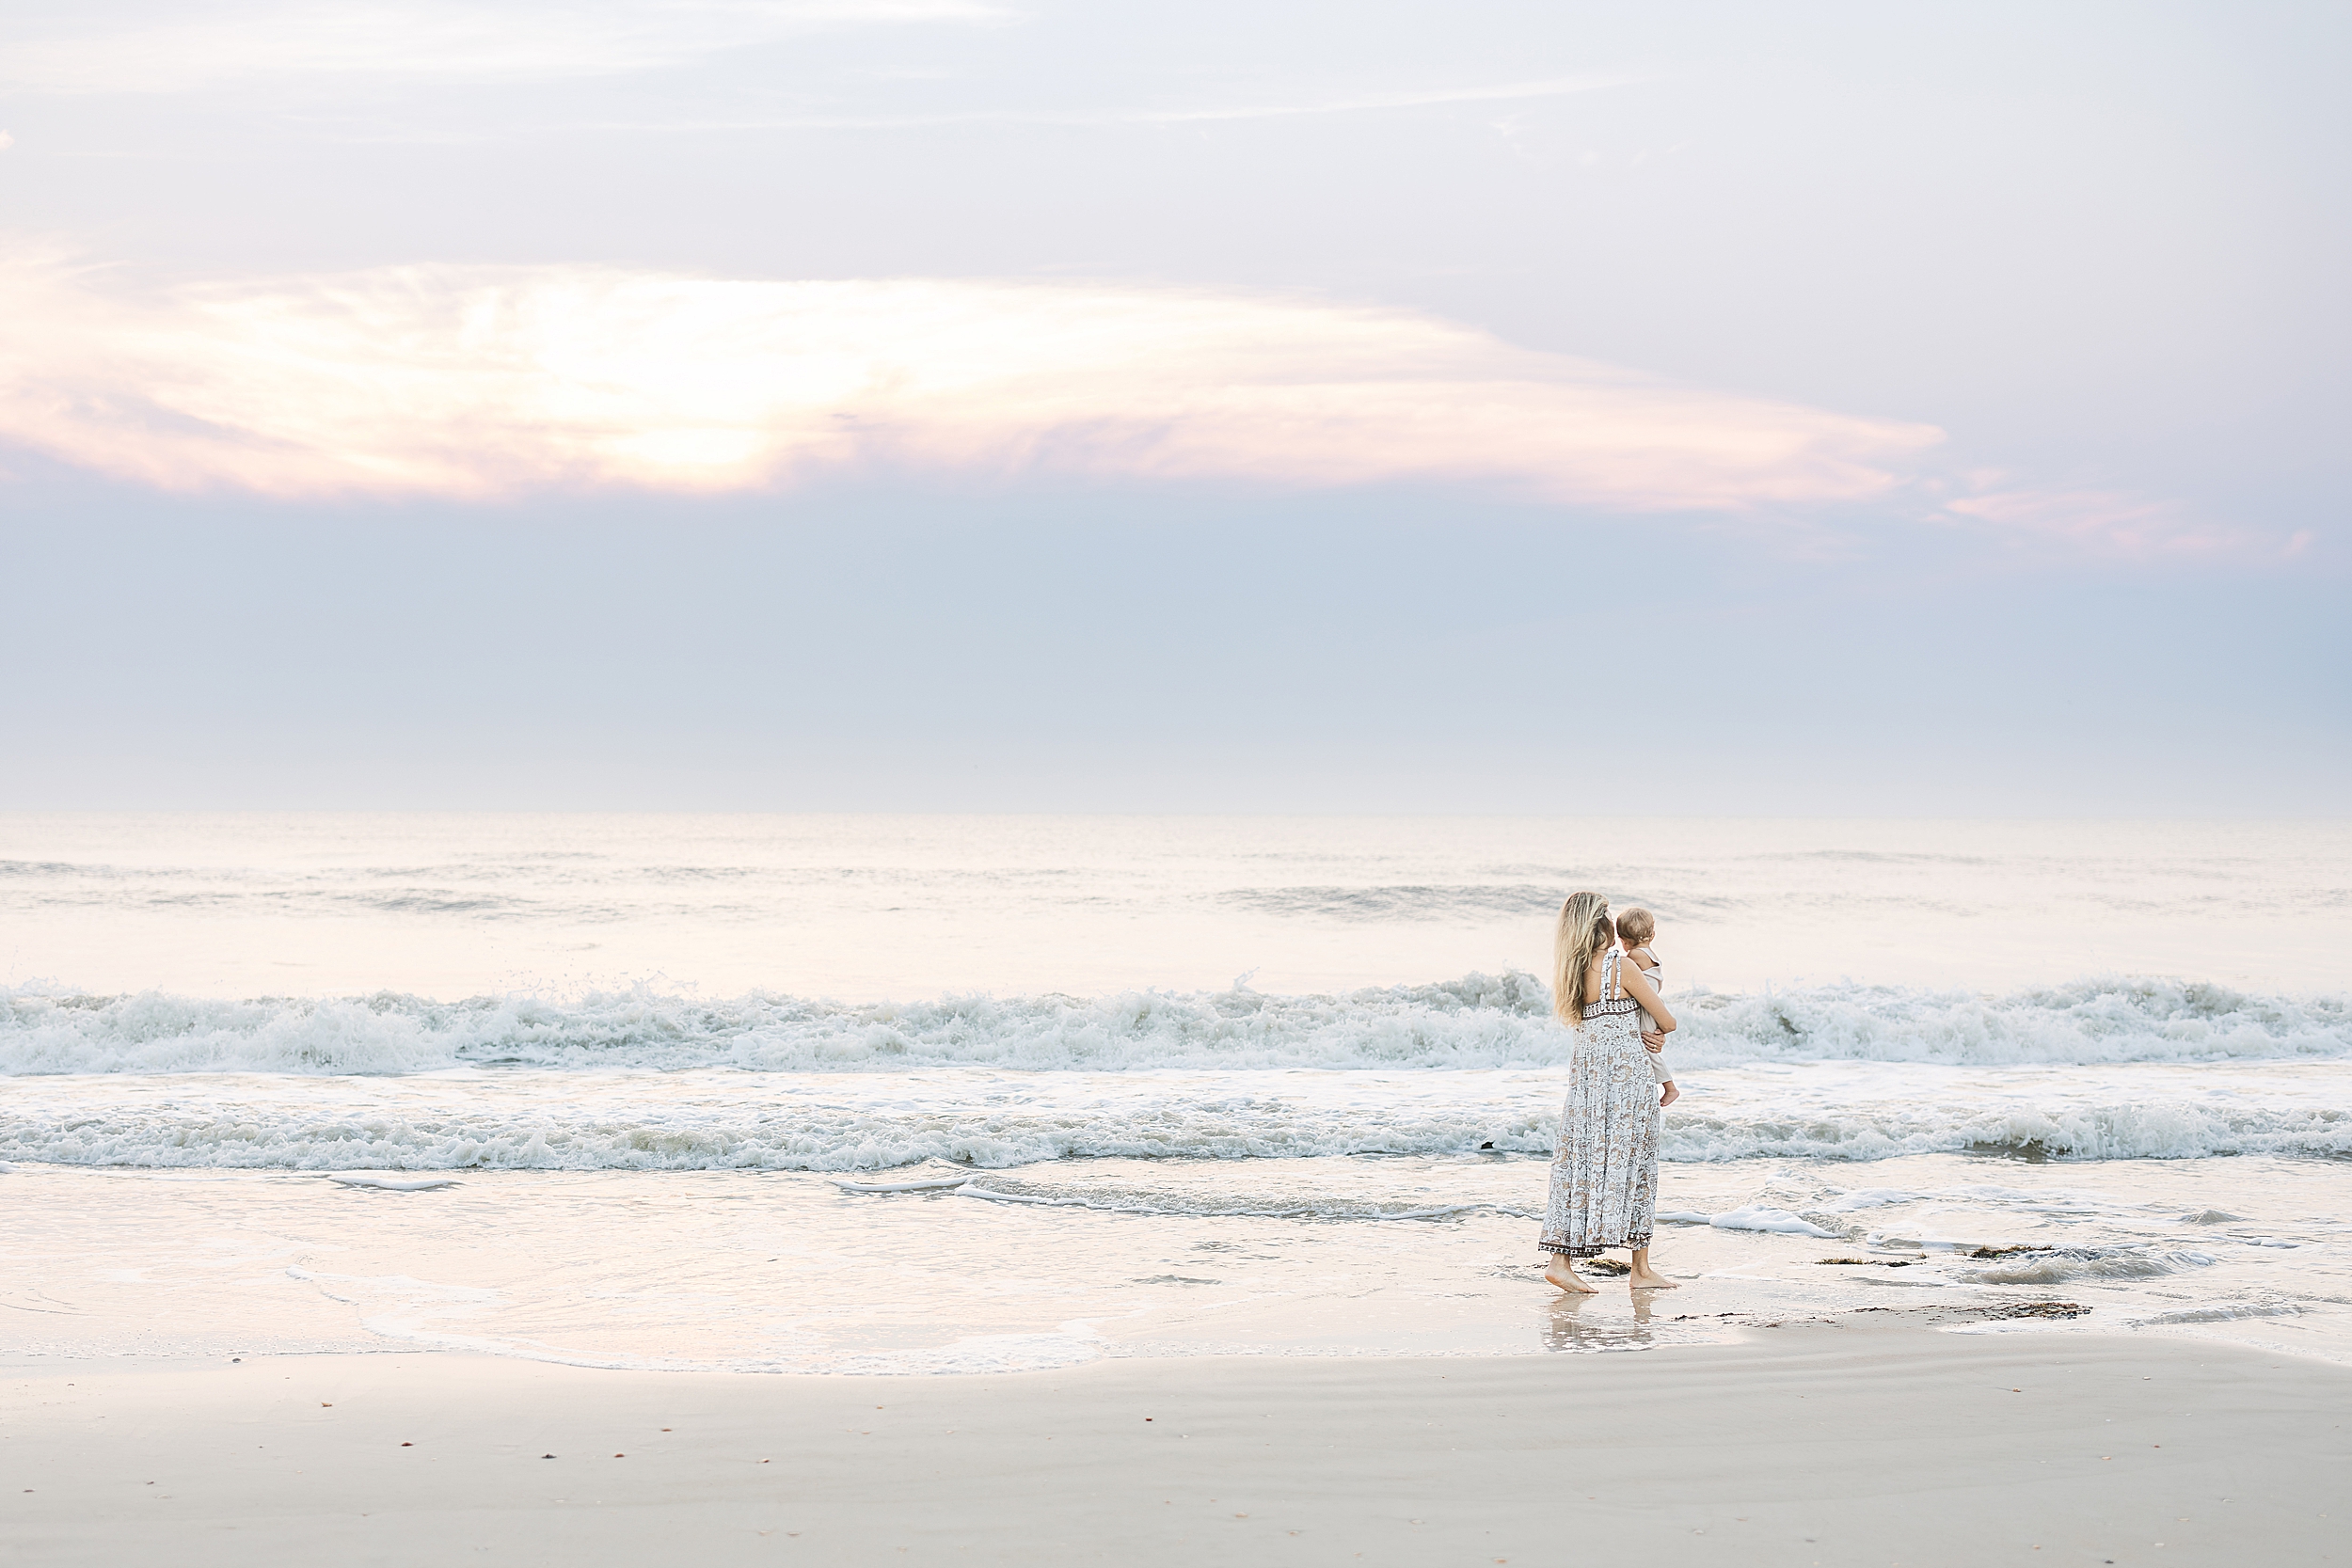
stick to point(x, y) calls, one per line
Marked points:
point(1817, 1443)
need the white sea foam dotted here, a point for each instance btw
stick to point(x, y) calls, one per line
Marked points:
point(1757, 1217)
point(1477, 1021)
point(969, 1119)
point(394, 1183)
point(994, 1196)
point(2222, 1314)
point(1870, 1197)
point(2062, 1266)
point(935, 1185)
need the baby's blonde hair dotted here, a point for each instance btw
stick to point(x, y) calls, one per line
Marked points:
point(1635, 926)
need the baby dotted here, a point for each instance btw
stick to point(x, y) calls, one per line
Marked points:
point(1635, 927)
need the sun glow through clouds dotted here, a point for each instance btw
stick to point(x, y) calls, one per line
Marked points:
point(473, 382)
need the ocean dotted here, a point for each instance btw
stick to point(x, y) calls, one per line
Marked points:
point(900, 1094)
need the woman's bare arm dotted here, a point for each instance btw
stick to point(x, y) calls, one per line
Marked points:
point(1643, 991)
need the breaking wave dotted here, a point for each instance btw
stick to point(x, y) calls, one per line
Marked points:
point(976, 1119)
point(1477, 1021)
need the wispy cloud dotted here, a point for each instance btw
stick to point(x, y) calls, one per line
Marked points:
point(215, 46)
point(1369, 102)
point(2107, 522)
point(473, 382)
point(1501, 93)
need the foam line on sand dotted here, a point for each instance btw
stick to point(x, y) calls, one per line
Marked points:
point(395, 1183)
point(937, 1184)
point(1813, 1443)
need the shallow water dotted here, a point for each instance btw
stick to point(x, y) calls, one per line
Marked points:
point(1074, 1261)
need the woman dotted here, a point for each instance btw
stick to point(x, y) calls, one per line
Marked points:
point(1604, 1179)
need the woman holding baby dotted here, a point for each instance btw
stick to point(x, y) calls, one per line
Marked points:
point(1604, 1177)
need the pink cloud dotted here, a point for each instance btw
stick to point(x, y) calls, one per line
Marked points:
point(2111, 522)
point(477, 382)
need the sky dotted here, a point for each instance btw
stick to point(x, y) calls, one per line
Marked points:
point(948, 405)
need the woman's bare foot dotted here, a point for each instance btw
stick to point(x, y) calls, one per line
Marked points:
point(1671, 1095)
point(1650, 1279)
point(1562, 1273)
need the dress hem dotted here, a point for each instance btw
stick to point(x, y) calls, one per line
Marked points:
point(1635, 1242)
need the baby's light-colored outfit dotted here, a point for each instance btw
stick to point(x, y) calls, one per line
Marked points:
point(1655, 975)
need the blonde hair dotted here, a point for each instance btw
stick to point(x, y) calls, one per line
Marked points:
point(1584, 935)
point(1636, 926)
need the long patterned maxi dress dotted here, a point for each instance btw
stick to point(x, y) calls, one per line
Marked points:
point(1604, 1176)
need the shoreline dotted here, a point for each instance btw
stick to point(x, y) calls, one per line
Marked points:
point(1817, 1442)
point(1085, 1260)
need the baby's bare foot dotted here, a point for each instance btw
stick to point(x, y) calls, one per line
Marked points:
point(1671, 1095)
point(1560, 1273)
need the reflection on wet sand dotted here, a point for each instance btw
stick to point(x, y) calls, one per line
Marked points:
point(1593, 1324)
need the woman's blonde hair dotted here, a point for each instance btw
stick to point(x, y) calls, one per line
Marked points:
point(1584, 934)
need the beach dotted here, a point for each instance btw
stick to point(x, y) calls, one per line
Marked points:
point(919, 782)
point(1811, 1443)
point(1076, 1190)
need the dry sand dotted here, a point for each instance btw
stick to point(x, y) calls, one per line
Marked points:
point(1812, 1444)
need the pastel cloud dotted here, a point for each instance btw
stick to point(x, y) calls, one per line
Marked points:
point(1370, 102)
point(2109, 522)
point(471, 381)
